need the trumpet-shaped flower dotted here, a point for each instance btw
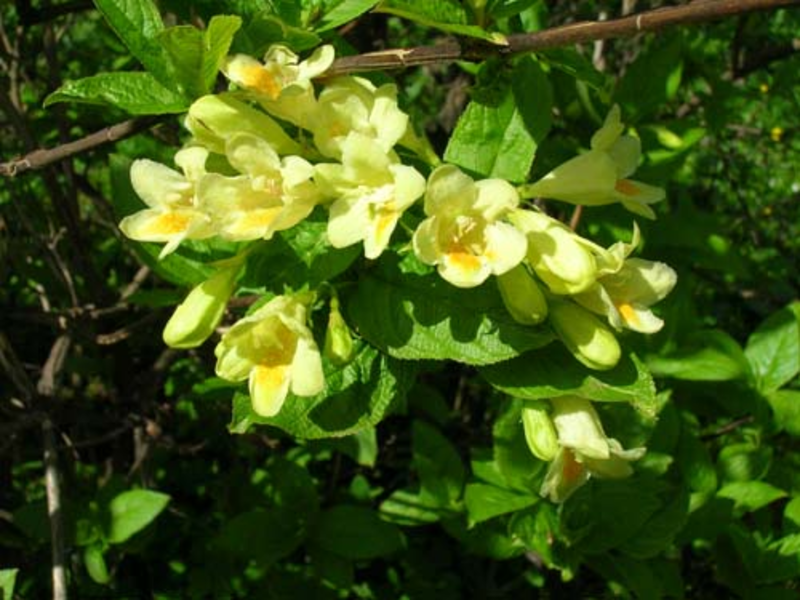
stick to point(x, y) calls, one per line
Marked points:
point(585, 450)
point(463, 235)
point(589, 340)
point(214, 119)
point(353, 104)
point(559, 256)
point(601, 176)
point(274, 350)
point(273, 194)
point(282, 83)
point(372, 189)
point(172, 214)
point(625, 296)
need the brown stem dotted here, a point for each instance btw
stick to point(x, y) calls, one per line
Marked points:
point(42, 158)
point(566, 35)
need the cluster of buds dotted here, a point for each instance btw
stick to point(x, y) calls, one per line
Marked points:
point(242, 177)
point(568, 434)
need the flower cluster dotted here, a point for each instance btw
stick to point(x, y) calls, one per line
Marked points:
point(265, 154)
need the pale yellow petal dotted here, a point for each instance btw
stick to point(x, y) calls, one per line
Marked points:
point(463, 269)
point(495, 197)
point(158, 185)
point(505, 247)
point(269, 385)
point(307, 377)
point(578, 426)
point(426, 245)
point(347, 222)
point(449, 190)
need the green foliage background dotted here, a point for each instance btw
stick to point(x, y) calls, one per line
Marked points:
point(427, 488)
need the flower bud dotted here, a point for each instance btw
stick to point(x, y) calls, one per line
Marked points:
point(539, 431)
point(585, 336)
point(198, 315)
point(214, 119)
point(557, 254)
point(339, 348)
point(522, 296)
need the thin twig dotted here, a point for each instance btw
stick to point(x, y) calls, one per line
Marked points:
point(42, 158)
point(54, 511)
point(567, 35)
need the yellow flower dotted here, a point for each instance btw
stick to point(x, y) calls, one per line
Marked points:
point(372, 189)
point(600, 176)
point(585, 450)
point(273, 349)
point(282, 83)
point(776, 133)
point(172, 214)
point(625, 296)
point(463, 235)
point(353, 104)
point(273, 194)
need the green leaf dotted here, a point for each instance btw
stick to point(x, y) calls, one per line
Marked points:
point(659, 532)
point(416, 316)
point(217, 42)
point(571, 62)
point(132, 511)
point(744, 462)
point(749, 496)
point(298, 257)
point(137, 23)
point(411, 509)
point(266, 29)
point(357, 533)
point(331, 568)
point(786, 408)
point(339, 12)
point(449, 16)
point(537, 527)
point(520, 469)
point(485, 501)
point(774, 349)
point(499, 132)
point(356, 396)
point(707, 356)
point(197, 55)
point(440, 469)
point(551, 372)
point(652, 80)
point(135, 92)
point(95, 564)
point(695, 463)
point(362, 446)
point(791, 516)
point(269, 533)
point(8, 578)
point(490, 538)
point(609, 513)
